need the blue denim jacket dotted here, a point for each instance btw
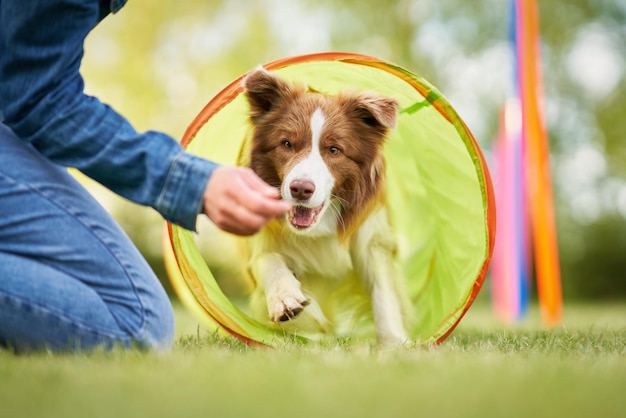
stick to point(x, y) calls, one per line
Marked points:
point(42, 101)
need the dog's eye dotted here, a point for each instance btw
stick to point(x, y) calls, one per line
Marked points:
point(334, 150)
point(287, 144)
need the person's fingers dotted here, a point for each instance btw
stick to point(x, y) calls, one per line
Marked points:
point(238, 220)
point(260, 198)
point(257, 183)
point(262, 205)
point(238, 201)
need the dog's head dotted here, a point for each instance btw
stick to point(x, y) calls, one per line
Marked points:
point(323, 152)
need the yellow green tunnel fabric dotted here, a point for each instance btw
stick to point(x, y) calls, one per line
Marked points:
point(442, 203)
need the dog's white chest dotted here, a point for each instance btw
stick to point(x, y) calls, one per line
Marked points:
point(322, 257)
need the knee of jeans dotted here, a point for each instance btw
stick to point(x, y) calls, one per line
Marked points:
point(158, 331)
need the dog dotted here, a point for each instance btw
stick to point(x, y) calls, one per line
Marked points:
point(325, 154)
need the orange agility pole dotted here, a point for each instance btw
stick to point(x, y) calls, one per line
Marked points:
point(537, 161)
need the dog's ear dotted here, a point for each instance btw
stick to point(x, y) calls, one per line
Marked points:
point(264, 91)
point(376, 110)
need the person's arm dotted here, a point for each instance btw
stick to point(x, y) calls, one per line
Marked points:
point(42, 101)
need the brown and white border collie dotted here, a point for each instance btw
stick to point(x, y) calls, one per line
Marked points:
point(325, 154)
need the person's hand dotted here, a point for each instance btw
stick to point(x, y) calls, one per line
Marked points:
point(239, 202)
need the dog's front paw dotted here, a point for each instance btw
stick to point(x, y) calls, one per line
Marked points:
point(286, 306)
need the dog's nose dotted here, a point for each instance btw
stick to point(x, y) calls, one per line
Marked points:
point(301, 189)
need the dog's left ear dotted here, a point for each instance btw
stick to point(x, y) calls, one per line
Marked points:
point(376, 110)
point(264, 91)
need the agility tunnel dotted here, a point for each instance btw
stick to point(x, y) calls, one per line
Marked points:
point(440, 193)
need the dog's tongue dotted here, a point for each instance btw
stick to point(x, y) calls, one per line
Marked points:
point(302, 216)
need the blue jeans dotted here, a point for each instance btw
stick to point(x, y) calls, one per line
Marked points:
point(70, 279)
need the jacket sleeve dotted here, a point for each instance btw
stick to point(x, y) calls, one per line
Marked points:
point(42, 101)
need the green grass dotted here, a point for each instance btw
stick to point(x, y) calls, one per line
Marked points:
point(484, 369)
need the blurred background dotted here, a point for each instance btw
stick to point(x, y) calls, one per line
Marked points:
point(159, 63)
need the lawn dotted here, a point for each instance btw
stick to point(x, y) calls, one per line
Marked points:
point(484, 369)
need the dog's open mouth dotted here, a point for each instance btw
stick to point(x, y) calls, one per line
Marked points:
point(303, 217)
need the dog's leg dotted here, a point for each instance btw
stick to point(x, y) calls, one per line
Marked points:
point(283, 292)
point(386, 302)
point(373, 254)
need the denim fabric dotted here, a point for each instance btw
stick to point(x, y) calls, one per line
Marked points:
point(116, 5)
point(42, 101)
point(110, 6)
point(69, 276)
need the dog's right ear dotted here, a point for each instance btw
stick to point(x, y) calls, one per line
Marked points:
point(264, 91)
